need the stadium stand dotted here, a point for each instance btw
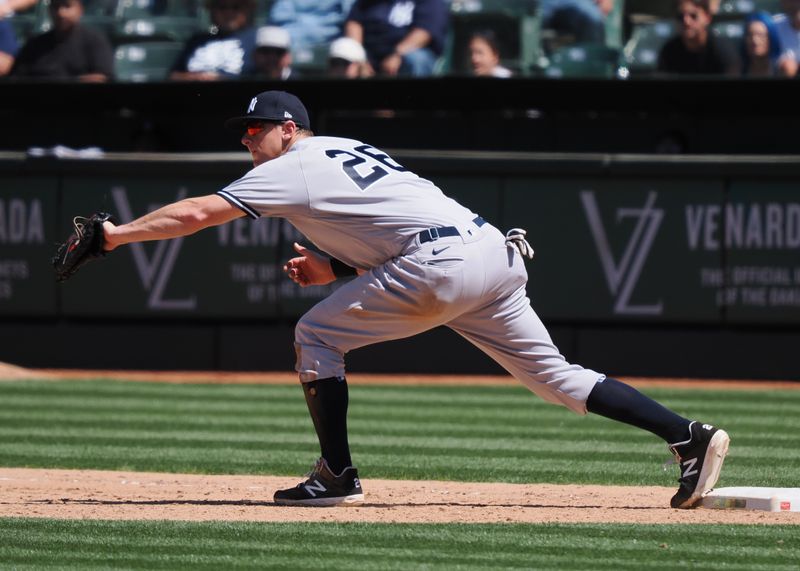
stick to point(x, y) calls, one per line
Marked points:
point(635, 32)
point(144, 61)
point(584, 61)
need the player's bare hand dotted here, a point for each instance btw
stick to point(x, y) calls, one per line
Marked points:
point(309, 268)
point(108, 235)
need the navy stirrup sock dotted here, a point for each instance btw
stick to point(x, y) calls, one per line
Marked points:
point(327, 401)
point(623, 403)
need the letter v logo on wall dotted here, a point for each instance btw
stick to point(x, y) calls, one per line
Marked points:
point(623, 276)
point(156, 271)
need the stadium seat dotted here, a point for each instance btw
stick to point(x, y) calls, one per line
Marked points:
point(145, 61)
point(640, 53)
point(173, 28)
point(312, 62)
point(732, 30)
point(734, 9)
point(583, 60)
point(614, 26)
point(128, 9)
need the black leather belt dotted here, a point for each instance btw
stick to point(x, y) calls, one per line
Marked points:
point(432, 234)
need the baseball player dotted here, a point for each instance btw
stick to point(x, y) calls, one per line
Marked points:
point(419, 260)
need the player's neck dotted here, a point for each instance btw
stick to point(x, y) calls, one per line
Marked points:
point(298, 137)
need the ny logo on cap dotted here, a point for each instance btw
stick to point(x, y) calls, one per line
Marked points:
point(252, 105)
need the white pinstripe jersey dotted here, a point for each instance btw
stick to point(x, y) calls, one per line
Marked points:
point(351, 200)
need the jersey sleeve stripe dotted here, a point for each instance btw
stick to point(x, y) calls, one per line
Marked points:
point(252, 213)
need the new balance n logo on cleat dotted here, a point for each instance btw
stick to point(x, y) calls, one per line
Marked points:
point(688, 467)
point(313, 487)
point(323, 488)
point(700, 458)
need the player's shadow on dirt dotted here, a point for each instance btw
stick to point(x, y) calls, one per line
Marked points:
point(523, 506)
point(265, 503)
point(90, 502)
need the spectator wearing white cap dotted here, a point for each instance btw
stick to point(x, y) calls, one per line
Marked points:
point(273, 54)
point(347, 59)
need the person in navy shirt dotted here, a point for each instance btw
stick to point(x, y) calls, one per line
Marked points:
point(224, 53)
point(8, 47)
point(401, 37)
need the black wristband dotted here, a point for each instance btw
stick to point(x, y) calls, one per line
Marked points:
point(342, 270)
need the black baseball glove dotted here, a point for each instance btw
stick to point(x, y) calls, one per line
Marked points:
point(84, 245)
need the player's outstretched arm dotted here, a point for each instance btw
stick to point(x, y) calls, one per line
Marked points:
point(309, 268)
point(172, 221)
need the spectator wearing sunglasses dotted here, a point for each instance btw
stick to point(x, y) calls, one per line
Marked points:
point(226, 51)
point(695, 50)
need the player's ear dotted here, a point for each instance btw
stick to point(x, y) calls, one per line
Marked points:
point(289, 128)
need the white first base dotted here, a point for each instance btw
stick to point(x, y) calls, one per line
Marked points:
point(747, 498)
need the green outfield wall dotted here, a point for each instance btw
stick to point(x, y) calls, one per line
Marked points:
point(649, 264)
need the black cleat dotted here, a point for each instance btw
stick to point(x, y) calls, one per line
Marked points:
point(323, 488)
point(700, 459)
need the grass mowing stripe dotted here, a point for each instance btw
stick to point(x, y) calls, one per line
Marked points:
point(412, 395)
point(383, 398)
point(216, 438)
point(162, 420)
point(159, 545)
point(382, 393)
point(72, 423)
point(106, 404)
point(410, 432)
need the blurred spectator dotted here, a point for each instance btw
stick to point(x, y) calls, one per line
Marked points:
point(763, 53)
point(695, 50)
point(225, 52)
point(580, 21)
point(68, 50)
point(8, 47)
point(401, 37)
point(310, 22)
point(484, 55)
point(788, 26)
point(347, 59)
point(273, 56)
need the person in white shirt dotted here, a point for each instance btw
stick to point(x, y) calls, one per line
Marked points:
point(484, 55)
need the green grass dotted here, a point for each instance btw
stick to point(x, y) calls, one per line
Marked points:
point(452, 433)
point(465, 433)
point(56, 544)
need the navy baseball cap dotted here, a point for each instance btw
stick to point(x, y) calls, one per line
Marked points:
point(275, 106)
